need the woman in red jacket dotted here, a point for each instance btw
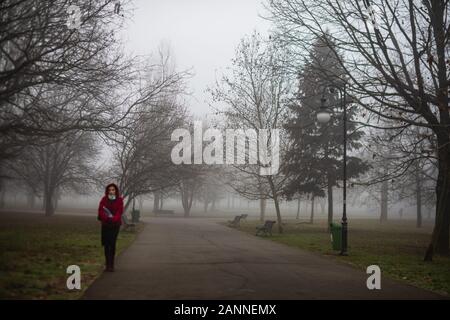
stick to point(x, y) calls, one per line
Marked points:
point(110, 212)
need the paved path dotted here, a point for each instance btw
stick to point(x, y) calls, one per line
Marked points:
point(176, 258)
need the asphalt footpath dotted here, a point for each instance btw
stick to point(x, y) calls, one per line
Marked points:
point(178, 258)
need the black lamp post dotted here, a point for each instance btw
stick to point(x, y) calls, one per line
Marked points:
point(323, 116)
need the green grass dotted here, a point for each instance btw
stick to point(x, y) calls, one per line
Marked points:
point(397, 247)
point(36, 250)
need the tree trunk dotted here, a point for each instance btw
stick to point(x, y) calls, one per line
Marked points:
point(128, 200)
point(277, 204)
point(298, 208)
point(440, 237)
point(384, 201)
point(31, 199)
point(205, 206)
point(262, 202)
point(311, 218)
point(156, 206)
point(418, 197)
point(262, 209)
point(2, 198)
point(48, 202)
point(55, 199)
point(185, 202)
point(140, 203)
point(187, 196)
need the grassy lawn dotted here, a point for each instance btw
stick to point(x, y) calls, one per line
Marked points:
point(397, 247)
point(35, 251)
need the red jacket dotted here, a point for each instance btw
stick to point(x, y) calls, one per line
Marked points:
point(116, 208)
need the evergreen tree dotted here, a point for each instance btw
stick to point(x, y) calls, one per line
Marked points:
point(314, 161)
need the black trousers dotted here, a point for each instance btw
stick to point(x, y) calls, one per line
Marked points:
point(109, 238)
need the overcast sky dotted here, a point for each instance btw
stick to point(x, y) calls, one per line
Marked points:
point(202, 35)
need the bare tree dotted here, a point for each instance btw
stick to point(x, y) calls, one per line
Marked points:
point(190, 181)
point(212, 188)
point(408, 164)
point(141, 147)
point(141, 156)
point(255, 94)
point(48, 68)
point(62, 165)
point(397, 62)
point(40, 57)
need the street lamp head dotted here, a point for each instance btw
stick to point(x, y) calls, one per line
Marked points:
point(323, 116)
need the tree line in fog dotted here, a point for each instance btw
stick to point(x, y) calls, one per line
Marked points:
point(77, 112)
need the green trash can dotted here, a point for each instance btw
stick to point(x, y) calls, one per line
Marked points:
point(135, 215)
point(336, 236)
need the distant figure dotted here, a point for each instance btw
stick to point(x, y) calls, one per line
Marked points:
point(110, 212)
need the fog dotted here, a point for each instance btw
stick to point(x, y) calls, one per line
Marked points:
point(224, 149)
point(221, 46)
point(202, 36)
point(228, 206)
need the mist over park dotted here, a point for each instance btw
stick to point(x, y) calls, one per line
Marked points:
point(224, 150)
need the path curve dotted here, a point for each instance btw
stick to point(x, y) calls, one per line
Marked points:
point(178, 258)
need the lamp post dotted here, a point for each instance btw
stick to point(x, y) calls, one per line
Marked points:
point(323, 116)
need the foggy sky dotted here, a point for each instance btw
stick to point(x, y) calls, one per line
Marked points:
point(202, 35)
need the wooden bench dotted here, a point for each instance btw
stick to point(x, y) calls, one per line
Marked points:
point(161, 211)
point(265, 229)
point(127, 224)
point(235, 223)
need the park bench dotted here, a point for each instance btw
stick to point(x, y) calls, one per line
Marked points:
point(127, 224)
point(235, 222)
point(265, 229)
point(161, 211)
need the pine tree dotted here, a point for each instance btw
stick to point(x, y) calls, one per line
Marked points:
point(315, 158)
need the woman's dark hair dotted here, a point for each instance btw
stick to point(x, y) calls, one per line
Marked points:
point(112, 185)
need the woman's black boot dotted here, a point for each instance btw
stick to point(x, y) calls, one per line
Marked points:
point(108, 263)
point(112, 253)
point(111, 263)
